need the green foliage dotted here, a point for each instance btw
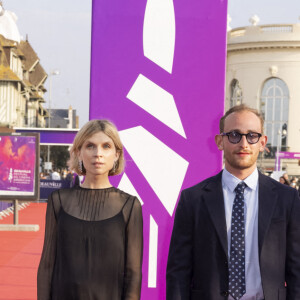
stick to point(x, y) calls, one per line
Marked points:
point(59, 155)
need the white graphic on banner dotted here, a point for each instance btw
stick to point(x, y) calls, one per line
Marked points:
point(159, 33)
point(126, 186)
point(162, 167)
point(152, 263)
point(157, 102)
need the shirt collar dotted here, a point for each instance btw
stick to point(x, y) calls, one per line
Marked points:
point(230, 181)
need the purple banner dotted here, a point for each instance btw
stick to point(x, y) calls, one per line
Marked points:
point(17, 165)
point(157, 72)
point(288, 155)
point(52, 136)
point(284, 155)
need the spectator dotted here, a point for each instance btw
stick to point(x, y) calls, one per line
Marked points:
point(286, 178)
point(70, 177)
point(55, 175)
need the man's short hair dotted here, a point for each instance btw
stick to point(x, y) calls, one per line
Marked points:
point(238, 109)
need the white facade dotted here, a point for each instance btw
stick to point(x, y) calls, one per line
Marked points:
point(263, 71)
point(11, 112)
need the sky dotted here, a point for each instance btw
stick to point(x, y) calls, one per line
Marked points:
point(60, 33)
point(268, 11)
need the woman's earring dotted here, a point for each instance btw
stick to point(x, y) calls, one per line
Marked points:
point(80, 166)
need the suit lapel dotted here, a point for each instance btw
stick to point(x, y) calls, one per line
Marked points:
point(267, 199)
point(215, 204)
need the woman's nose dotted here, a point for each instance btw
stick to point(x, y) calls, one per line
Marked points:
point(98, 151)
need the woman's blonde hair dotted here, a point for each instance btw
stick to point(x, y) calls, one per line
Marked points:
point(89, 129)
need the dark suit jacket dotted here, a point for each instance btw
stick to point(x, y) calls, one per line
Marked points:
point(198, 256)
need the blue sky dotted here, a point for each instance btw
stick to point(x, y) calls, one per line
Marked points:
point(60, 33)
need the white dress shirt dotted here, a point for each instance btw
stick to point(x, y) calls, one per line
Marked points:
point(254, 289)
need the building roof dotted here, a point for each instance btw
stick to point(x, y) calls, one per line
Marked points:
point(264, 36)
point(38, 75)
point(7, 42)
point(6, 74)
point(31, 58)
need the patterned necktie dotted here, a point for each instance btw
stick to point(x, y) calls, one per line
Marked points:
point(237, 282)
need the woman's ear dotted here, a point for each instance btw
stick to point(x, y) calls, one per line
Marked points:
point(117, 155)
point(78, 154)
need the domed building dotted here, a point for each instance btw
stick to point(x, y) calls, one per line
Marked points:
point(8, 26)
point(263, 71)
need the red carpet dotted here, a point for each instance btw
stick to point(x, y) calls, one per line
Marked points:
point(20, 255)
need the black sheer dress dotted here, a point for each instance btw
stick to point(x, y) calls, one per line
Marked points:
point(93, 246)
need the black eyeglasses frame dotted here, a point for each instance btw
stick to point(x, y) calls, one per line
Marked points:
point(247, 135)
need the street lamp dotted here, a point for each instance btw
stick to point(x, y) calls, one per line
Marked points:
point(51, 74)
point(280, 135)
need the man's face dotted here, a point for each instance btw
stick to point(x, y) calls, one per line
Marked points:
point(243, 155)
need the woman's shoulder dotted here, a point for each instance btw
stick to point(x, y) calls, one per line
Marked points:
point(126, 196)
point(62, 195)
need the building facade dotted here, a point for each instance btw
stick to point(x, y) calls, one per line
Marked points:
point(62, 118)
point(263, 71)
point(22, 78)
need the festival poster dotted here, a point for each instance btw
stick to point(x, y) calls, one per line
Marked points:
point(18, 165)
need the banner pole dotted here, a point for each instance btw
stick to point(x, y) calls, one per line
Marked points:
point(16, 212)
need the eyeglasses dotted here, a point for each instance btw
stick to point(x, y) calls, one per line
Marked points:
point(235, 137)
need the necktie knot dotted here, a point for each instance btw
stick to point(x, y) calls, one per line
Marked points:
point(240, 188)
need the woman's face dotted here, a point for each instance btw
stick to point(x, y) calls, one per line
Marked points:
point(281, 180)
point(98, 154)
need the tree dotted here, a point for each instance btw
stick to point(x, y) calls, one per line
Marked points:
point(59, 155)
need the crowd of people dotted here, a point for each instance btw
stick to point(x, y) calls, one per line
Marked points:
point(57, 174)
point(294, 182)
point(64, 174)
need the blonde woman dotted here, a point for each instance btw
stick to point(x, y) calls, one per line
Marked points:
point(94, 232)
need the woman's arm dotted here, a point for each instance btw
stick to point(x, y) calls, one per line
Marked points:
point(134, 253)
point(46, 266)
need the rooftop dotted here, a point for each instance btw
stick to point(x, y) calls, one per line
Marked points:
point(284, 35)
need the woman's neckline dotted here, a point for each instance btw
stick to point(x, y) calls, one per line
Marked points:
point(97, 189)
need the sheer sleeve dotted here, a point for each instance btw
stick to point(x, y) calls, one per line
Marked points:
point(134, 253)
point(46, 266)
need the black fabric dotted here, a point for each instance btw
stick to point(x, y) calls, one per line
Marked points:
point(93, 246)
point(198, 263)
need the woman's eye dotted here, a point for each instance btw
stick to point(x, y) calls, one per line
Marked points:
point(90, 146)
point(106, 146)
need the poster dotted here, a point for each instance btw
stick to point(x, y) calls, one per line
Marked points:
point(19, 155)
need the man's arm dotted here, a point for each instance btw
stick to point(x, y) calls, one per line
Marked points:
point(179, 268)
point(293, 251)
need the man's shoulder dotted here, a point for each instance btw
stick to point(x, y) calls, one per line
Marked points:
point(201, 186)
point(274, 184)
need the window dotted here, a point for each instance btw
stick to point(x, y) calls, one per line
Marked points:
point(236, 93)
point(275, 110)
